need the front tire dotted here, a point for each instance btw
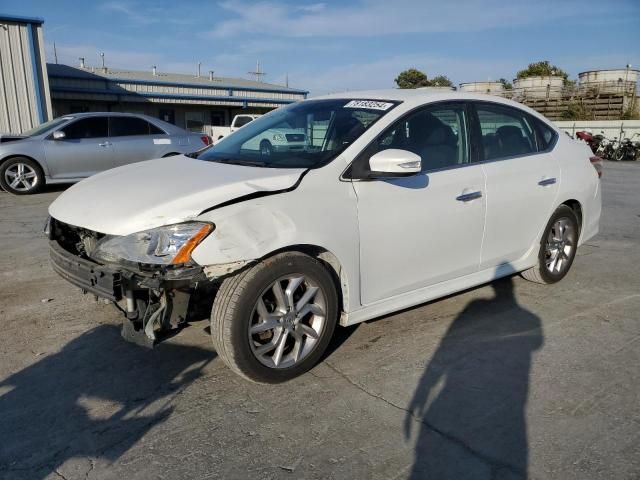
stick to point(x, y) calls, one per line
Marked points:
point(557, 248)
point(266, 149)
point(21, 176)
point(273, 321)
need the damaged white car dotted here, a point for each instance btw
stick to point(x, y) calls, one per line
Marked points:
point(394, 198)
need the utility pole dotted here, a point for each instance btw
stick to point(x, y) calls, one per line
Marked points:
point(258, 74)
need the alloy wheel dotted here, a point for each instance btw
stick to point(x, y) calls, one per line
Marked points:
point(21, 177)
point(560, 246)
point(288, 321)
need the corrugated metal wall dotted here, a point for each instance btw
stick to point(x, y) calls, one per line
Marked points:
point(24, 86)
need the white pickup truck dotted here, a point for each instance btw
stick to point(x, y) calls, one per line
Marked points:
point(218, 133)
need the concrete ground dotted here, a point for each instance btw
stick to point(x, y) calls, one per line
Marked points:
point(505, 381)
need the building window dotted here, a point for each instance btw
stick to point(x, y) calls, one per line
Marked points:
point(194, 121)
point(217, 119)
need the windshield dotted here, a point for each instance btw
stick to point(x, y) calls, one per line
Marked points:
point(40, 129)
point(303, 135)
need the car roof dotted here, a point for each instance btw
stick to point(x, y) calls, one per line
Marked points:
point(418, 96)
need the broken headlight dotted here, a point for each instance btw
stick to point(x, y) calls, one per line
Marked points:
point(168, 245)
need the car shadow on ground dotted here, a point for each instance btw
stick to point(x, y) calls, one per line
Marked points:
point(44, 418)
point(469, 407)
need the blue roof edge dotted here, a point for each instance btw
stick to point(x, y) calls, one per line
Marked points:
point(21, 19)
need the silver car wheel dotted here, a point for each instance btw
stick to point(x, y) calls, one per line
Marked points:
point(21, 177)
point(287, 321)
point(561, 243)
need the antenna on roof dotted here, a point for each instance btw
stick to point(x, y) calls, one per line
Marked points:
point(81, 62)
point(104, 69)
point(211, 75)
point(286, 80)
point(55, 53)
point(258, 74)
point(154, 70)
point(199, 64)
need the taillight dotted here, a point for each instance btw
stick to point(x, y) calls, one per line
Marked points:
point(597, 164)
point(206, 139)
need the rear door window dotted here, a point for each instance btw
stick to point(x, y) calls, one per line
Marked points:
point(506, 132)
point(92, 127)
point(128, 126)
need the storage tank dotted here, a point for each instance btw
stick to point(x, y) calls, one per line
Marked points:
point(538, 87)
point(619, 81)
point(494, 88)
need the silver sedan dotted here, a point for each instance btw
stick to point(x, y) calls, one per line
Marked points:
point(70, 148)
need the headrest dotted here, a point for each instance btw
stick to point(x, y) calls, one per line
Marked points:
point(508, 131)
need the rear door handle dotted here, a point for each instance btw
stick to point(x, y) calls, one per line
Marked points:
point(547, 181)
point(467, 197)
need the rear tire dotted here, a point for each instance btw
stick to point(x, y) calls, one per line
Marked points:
point(273, 321)
point(557, 248)
point(21, 176)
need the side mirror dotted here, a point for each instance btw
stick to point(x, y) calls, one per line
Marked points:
point(395, 163)
point(59, 135)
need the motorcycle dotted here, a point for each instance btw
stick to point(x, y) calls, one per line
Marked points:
point(627, 149)
point(609, 148)
point(594, 141)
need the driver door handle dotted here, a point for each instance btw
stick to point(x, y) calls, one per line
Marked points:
point(467, 197)
point(547, 181)
point(105, 144)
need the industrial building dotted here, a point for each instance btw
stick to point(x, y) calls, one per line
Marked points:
point(192, 102)
point(24, 85)
point(33, 91)
point(597, 95)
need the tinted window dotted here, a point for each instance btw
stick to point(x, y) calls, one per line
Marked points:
point(437, 134)
point(506, 132)
point(92, 127)
point(153, 130)
point(127, 126)
point(242, 121)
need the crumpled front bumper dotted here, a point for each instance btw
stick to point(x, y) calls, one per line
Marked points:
point(153, 300)
point(97, 279)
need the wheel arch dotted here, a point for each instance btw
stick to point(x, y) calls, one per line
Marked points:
point(45, 172)
point(329, 260)
point(576, 206)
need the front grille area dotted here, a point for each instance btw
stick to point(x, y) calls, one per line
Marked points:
point(295, 137)
point(75, 240)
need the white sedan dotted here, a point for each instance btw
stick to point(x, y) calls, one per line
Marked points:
point(398, 198)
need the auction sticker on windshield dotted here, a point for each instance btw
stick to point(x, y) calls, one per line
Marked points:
point(370, 104)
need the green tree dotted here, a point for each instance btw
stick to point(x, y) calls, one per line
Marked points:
point(506, 84)
point(542, 69)
point(440, 81)
point(412, 78)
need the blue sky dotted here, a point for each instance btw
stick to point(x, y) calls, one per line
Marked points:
point(327, 46)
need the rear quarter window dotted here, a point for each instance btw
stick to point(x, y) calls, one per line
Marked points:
point(545, 135)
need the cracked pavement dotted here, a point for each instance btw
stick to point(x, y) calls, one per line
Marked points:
point(509, 380)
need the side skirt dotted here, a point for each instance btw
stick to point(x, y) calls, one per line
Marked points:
point(439, 290)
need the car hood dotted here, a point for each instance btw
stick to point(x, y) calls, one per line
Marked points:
point(160, 192)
